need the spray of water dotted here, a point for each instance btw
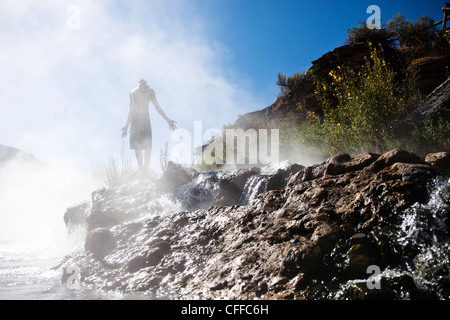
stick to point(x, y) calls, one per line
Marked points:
point(33, 199)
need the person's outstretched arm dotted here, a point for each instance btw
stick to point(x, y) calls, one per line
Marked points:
point(171, 123)
point(127, 125)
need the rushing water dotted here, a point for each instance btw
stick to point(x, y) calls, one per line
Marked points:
point(31, 274)
point(30, 271)
point(33, 238)
point(421, 237)
point(27, 274)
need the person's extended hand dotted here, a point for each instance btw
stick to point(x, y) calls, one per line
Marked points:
point(172, 124)
point(124, 131)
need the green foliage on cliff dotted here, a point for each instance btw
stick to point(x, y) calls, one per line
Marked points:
point(360, 107)
point(419, 33)
point(361, 33)
point(411, 39)
point(398, 31)
point(432, 132)
point(290, 84)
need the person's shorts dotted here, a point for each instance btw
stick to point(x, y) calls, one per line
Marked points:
point(140, 133)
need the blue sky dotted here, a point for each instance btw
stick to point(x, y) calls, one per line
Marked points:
point(266, 36)
point(64, 91)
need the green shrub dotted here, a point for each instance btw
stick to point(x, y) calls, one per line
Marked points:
point(164, 157)
point(432, 133)
point(290, 84)
point(360, 107)
point(361, 33)
point(418, 34)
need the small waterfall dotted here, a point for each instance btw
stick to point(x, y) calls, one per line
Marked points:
point(200, 193)
point(421, 239)
point(423, 236)
point(253, 187)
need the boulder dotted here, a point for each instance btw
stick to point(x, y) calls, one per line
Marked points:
point(149, 258)
point(439, 159)
point(430, 73)
point(363, 253)
point(100, 242)
point(307, 174)
point(174, 177)
point(336, 164)
point(393, 156)
point(279, 180)
point(76, 215)
point(231, 187)
point(105, 218)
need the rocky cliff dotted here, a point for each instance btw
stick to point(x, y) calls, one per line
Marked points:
point(296, 232)
point(429, 74)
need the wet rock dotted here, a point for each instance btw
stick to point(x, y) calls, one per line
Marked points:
point(279, 180)
point(163, 246)
point(340, 158)
point(360, 257)
point(137, 263)
point(439, 159)
point(360, 291)
point(361, 161)
point(420, 174)
point(336, 164)
point(104, 219)
point(391, 157)
point(174, 177)
point(315, 233)
point(293, 169)
point(147, 259)
point(242, 176)
point(231, 188)
point(154, 256)
point(77, 215)
point(358, 238)
point(100, 242)
point(417, 173)
point(307, 174)
point(228, 194)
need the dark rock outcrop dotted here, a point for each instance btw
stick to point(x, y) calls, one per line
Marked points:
point(436, 101)
point(439, 159)
point(173, 177)
point(431, 73)
point(77, 215)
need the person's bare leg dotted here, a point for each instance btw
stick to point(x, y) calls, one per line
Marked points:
point(140, 158)
point(147, 156)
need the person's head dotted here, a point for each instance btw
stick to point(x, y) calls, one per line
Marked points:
point(142, 83)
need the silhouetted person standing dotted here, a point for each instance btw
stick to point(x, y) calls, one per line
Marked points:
point(139, 123)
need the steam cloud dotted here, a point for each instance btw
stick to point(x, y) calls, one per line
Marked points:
point(64, 87)
point(33, 199)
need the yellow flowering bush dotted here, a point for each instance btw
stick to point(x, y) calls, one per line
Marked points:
point(360, 106)
point(447, 36)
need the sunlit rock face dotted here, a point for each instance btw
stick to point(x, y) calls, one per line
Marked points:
point(297, 232)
